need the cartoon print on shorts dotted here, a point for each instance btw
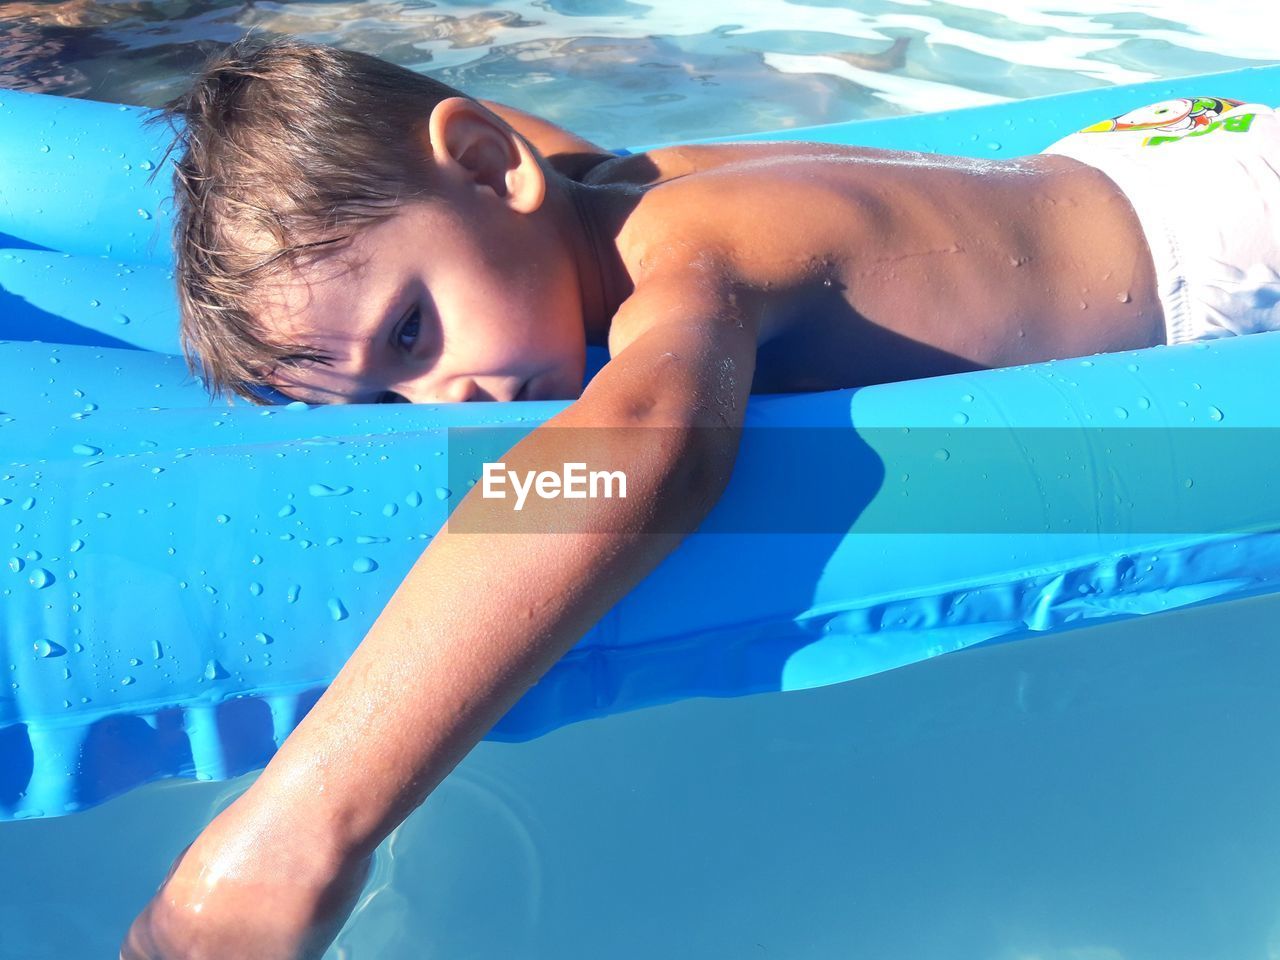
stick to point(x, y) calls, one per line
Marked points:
point(1173, 116)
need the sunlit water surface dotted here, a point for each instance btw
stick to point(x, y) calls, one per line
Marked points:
point(1101, 794)
point(628, 72)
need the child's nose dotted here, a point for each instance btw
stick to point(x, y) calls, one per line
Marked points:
point(459, 390)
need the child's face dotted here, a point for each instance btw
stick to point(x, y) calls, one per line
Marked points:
point(424, 309)
point(472, 295)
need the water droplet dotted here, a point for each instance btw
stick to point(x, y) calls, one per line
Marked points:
point(292, 594)
point(263, 638)
point(121, 319)
point(1188, 483)
point(367, 539)
point(287, 510)
point(126, 681)
point(967, 398)
point(414, 499)
point(323, 490)
point(1144, 403)
point(255, 588)
point(993, 145)
point(1124, 297)
point(16, 564)
point(146, 165)
point(961, 418)
point(157, 651)
point(1086, 363)
point(28, 503)
point(84, 450)
point(222, 518)
point(390, 510)
point(942, 455)
point(40, 578)
point(143, 214)
point(443, 493)
point(296, 405)
point(336, 610)
point(333, 541)
point(1121, 413)
point(77, 545)
point(1215, 413)
point(47, 649)
point(213, 670)
point(364, 565)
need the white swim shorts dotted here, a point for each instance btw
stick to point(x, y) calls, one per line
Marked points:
point(1203, 176)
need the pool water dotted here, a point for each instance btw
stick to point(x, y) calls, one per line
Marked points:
point(1100, 794)
point(625, 72)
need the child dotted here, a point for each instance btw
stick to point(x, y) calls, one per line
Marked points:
point(351, 232)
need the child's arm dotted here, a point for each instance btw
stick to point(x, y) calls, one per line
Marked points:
point(567, 152)
point(475, 623)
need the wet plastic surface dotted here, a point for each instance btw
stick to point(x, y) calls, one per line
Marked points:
point(180, 580)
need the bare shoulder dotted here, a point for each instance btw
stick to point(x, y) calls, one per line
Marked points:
point(668, 163)
point(689, 292)
point(683, 349)
point(753, 228)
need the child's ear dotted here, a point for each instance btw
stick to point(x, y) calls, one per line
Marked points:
point(470, 143)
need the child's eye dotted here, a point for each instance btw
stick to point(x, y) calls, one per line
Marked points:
point(408, 334)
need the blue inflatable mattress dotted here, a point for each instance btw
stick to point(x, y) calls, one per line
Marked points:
point(179, 579)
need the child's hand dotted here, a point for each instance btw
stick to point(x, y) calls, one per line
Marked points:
point(251, 886)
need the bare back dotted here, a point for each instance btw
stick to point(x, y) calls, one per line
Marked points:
point(868, 266)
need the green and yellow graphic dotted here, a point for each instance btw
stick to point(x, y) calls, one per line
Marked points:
point(1181, 115)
